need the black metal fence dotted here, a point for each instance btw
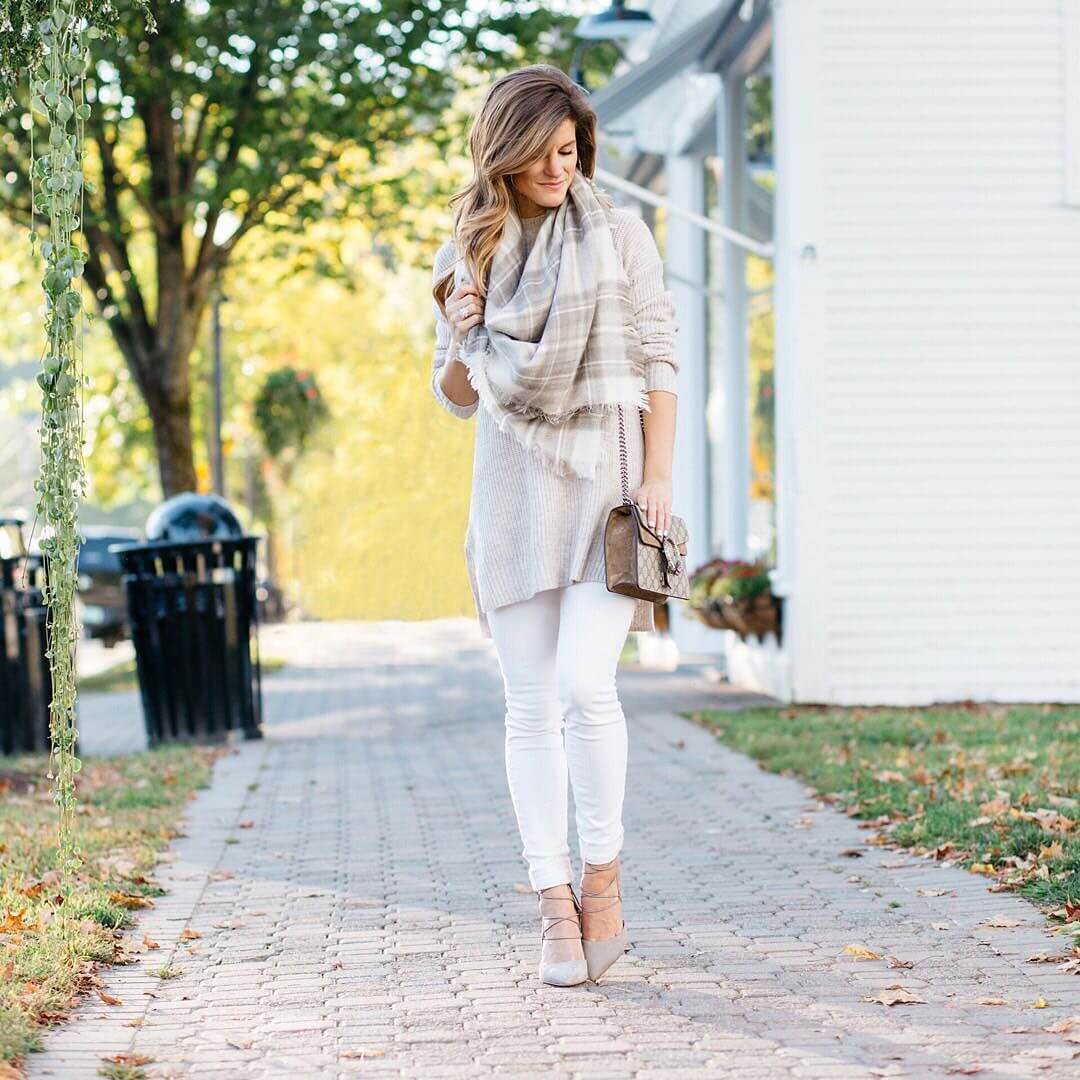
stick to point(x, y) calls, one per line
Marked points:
point(25, 680)
point(194, 624)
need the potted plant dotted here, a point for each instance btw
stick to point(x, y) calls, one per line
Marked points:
point(733, 594)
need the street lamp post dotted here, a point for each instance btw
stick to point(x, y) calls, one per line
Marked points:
point(217, 450)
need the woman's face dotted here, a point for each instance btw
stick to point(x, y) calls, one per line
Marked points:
point(546, 181)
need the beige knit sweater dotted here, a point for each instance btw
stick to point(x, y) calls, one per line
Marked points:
point(529, 529)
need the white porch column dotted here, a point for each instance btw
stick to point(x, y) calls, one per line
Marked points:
point(801, 574)
point(735, 477)
point(685, 257)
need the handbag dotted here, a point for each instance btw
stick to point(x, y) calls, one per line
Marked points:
point(638, 561)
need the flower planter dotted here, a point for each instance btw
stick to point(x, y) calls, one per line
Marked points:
point(757, 614)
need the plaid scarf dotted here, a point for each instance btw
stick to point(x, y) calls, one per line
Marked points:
point(558, 346)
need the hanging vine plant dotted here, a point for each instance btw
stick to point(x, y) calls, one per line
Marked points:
point(51, 39)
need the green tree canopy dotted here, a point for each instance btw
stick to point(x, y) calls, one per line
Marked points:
point(233, 116)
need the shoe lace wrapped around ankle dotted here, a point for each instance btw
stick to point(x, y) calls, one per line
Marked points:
point(602, 869)
point(549, 922)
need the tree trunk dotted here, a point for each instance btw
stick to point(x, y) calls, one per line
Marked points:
point(172, 438)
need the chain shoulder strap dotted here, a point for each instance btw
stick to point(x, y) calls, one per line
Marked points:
point(624, 467)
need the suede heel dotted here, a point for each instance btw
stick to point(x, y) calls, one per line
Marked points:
point(569, 971)
point(601, 954)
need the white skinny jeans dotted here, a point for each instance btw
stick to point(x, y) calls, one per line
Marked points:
point(558, 652)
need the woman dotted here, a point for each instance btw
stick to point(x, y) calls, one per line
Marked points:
point(551, 313)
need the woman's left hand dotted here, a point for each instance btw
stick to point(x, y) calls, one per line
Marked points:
point(654, 500)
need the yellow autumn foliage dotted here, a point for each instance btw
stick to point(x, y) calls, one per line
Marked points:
point(372, 521)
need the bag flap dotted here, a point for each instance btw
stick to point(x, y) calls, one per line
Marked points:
point(678, 532)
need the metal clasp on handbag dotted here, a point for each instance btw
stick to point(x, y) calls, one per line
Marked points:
point(671, 562)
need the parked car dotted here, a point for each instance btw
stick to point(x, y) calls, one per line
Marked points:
point(270, 599)
point(101, 590)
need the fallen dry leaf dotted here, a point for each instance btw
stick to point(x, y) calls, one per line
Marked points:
point(129, 1059)
point(14, 922)
point(1069, 1026)
point(241, 1044)
point(982, 868)
point(1051, 820)
point(131, 900)
point(935, 892)
point(802, 823)
point(362, 1053)
point(1002, 922)
point(190, 935)
point(896, 962)
point(1047, 958)
point(1062, 800)
point(138, 1022)
point(895, 995)
point(963, 1070)
point(149, 942)
point(108, 998)
point(1066, 1053)
point(852, 853)
point(245, 824)
point(1040, 1003)
point(861, 952)
point(991, 1001)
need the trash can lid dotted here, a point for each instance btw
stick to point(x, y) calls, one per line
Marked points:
point(190, 516)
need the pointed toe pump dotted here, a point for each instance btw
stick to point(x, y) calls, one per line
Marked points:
point(562, 960)
point(601, 954)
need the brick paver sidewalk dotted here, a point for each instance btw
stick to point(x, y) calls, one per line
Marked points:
point(357, 886)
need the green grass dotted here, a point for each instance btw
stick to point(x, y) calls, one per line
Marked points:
point(120, 676)
point(128, 810)
point(123, 676)
point(995, 788)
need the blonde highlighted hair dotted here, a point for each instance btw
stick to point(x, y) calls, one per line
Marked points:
point(512, 128)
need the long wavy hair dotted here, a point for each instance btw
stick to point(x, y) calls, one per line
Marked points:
point(512, 129)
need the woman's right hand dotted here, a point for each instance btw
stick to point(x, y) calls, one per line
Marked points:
point(464, 310)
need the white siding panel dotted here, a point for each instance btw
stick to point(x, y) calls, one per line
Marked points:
point(949, 416)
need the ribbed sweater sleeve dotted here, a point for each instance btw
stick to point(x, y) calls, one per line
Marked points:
point(653, 304)
point(443, 261)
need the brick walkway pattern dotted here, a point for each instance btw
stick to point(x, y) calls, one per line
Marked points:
point(357, 885)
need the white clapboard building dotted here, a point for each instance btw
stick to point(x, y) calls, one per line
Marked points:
point(897, 185)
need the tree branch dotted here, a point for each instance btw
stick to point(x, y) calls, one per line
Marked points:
point(208, 251)
point(113, 240)
point(97, 279)
point(192, 159)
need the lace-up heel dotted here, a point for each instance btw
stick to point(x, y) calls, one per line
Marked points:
point(601, 954)
point(562, 960)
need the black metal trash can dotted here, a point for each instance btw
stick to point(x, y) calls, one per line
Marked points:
point(194, 622)
point(25, 678)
